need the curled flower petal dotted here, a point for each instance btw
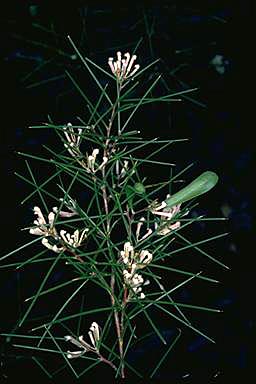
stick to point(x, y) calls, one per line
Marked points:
point(53, 248)
point(145, 257)
point(74, 354)
point(36, 231)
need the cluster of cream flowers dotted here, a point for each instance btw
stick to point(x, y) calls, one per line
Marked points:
point(73, 147)
point(123, 68)
point(167, 215)
point(48, 231)
point(134, 261)
point(94, 335)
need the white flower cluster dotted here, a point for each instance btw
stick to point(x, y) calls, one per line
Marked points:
point(42, 227)
point(91, 161)
point(134, 261)
point(135, 281)
point(166, 214)
point(73, 146)
point(73, 140)
point(123, 68)
point(48, 230)
point(70, 204)
point(94, 335)
point(74, 240)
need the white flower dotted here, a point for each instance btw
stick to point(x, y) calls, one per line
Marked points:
point(74, 354)
point(42, 228)
point(128, 253)
point(145, 257)
point(135, 282)
point(65, 213)
point(49, 232)
point(138, 230)
point(166, 214)
point(94, 335)
point(70, 204)
point(73, 139)
point(74, 240)
point(135, 260)
point(91, 161)
point(52, 247)
point(124, 169)
point(123, 68)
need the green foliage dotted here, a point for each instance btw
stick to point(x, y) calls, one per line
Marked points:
point(115, 240)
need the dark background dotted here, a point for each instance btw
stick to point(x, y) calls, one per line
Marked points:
point(218, 119)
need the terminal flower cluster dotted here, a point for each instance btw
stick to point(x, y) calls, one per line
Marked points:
point(123, 68)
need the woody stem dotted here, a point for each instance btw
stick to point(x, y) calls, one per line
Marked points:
point(106, 208)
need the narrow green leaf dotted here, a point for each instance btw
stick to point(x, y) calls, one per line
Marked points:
point(97, 105)
point(183, 322)
point(139, 103)
point(56, 287)
point(37, 349)
point(184, 305)
point(89, 70)
point(177, 307)
point(46, 81)
point(65, 318)
point(139, 73)
point(180, 271)
point(42, 367)
point(165, 354)
point(20, 248)
point(40, 288)
point(88, 368)
point(63, 354)
point(48, 326)
point(80, 318)
point(31, 259)
point(193, 245)
point(201, 251)
point(135, 312)
point(34, 192)
point(36, 186)
point(84, 96)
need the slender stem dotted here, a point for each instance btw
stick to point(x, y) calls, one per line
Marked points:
point(104, 360)
point(77, 257)
point(125, 298)
point(106, 207)
point(118, 120)
point(116, 317)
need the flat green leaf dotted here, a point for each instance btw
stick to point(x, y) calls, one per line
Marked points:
point(202, 184)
